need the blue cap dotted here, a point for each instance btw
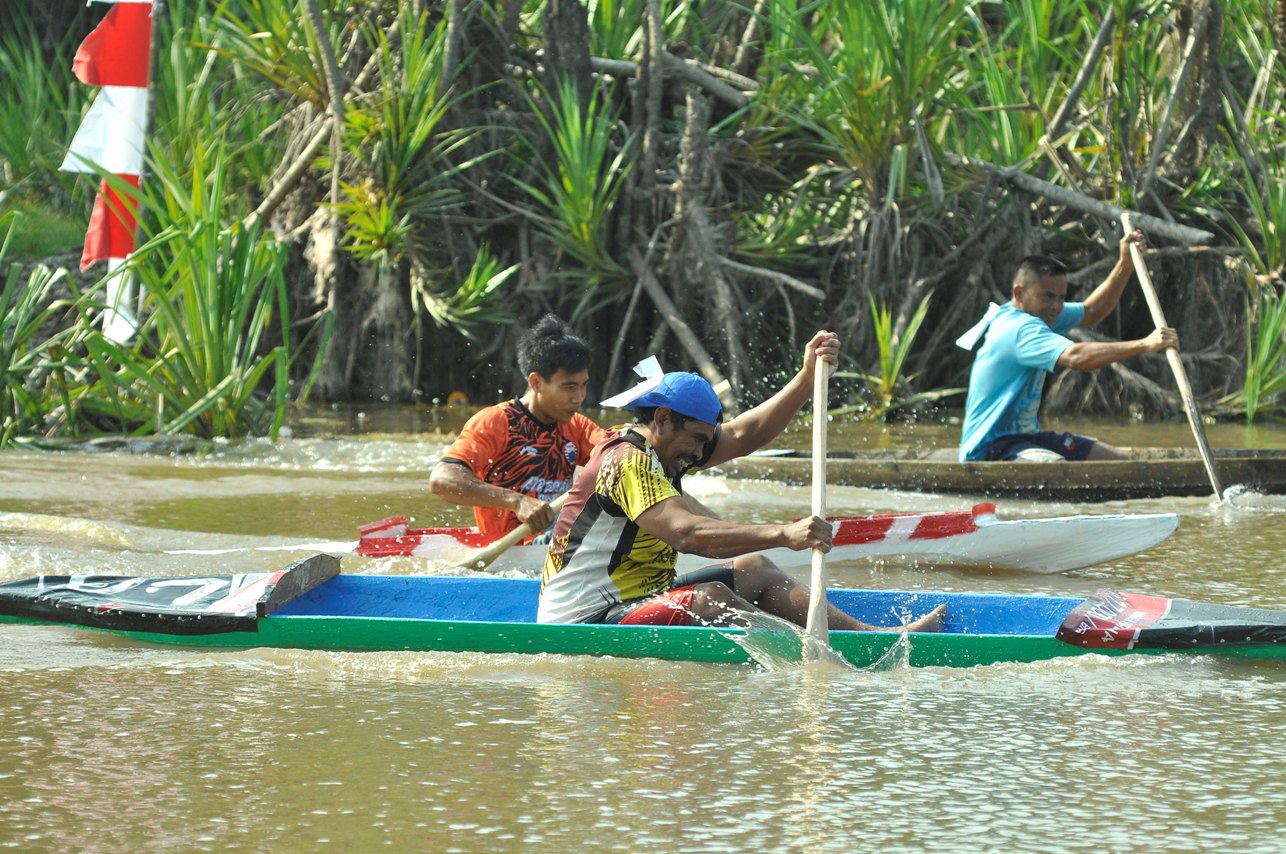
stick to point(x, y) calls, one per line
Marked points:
point(685, 393)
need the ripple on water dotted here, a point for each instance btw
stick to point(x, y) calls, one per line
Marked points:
point(282, 749)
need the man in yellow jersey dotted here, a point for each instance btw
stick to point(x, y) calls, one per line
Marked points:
point(614, 547)
point(512, 459)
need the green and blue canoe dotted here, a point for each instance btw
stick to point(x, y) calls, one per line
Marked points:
point(309, 605)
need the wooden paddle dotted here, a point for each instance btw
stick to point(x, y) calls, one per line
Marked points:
point(1172, 356)
point(817, 632)
point(485, 556)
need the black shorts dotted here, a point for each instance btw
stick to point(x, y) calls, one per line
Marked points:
point(1069, 446)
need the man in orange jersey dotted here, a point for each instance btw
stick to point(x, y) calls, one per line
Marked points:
point(512, 459)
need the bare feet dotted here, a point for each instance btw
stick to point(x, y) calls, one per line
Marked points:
point(930, 622)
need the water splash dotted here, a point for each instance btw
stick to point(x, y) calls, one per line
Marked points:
point(62, 528)
point(1240, 497)
point(896, 657)
point(776, 644)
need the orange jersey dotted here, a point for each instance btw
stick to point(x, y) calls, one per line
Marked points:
point(506, 446)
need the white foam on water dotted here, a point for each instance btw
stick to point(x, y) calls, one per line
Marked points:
point(1241, 498)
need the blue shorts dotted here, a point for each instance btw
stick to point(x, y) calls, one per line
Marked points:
point(1069, 446)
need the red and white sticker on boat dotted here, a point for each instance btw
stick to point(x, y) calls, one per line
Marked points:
point(901, 527)
point(1111, 620)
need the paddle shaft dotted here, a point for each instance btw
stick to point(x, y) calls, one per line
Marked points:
point(485, 556)
point(1176, 365)
point(817, 627)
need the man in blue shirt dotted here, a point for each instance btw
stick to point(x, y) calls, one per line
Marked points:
point(1025, 340)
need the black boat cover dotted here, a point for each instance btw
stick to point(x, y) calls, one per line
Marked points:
point(176, 606)
point(1112, 620)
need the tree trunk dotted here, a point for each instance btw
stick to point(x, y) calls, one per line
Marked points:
point(567, 46)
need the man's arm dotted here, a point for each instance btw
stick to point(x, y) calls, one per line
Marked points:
point(455, 482)
point(695, 506)
point(753, 429)
point(1092, 355)
point(671, 522)
point(1103, 300)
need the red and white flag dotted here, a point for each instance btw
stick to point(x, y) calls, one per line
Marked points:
point(117, 57)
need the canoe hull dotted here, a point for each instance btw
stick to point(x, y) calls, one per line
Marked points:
point(1153, 474)
point(495, 615)
point(860, 649)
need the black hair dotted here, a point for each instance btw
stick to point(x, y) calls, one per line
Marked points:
point(549, 346)
point(1033, 268)
point(647, 413)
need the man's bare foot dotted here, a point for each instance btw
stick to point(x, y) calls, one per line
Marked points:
point(930, 622)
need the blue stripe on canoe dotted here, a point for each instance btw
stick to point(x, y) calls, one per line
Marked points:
point(514, 600)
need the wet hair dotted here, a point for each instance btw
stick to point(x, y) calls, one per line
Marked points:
point(549, 346)
point(1033, 268)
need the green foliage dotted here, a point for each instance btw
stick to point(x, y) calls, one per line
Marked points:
point(272, 39)
point(888, 388)
point(216, 327)
point(580, 185)
point(216, 301)
point(215, 334)
point(40, 108)
point(1264, 388)
point(825, 175)
point(1263, 239)
point(616, 27)
point(200, 95)
point(876, 70)
point(469, 305)
point(1266, 354)
point(33, 346)
point(403, 149)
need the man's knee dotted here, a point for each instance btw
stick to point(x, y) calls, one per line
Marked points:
point(712, 600)
point(755, 565)
point(1039, 455)
point(755, 576)
point(1104, 451)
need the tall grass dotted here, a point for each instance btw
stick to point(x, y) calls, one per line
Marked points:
point(40, 108)
point(35, 343)
point(616, 27)
point(208, 346)
point(214, 351)
point(1263, 244)
point(1266, 355)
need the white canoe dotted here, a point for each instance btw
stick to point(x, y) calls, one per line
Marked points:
point(968, 538)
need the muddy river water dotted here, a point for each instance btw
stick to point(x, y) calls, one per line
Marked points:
point(106, 744)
